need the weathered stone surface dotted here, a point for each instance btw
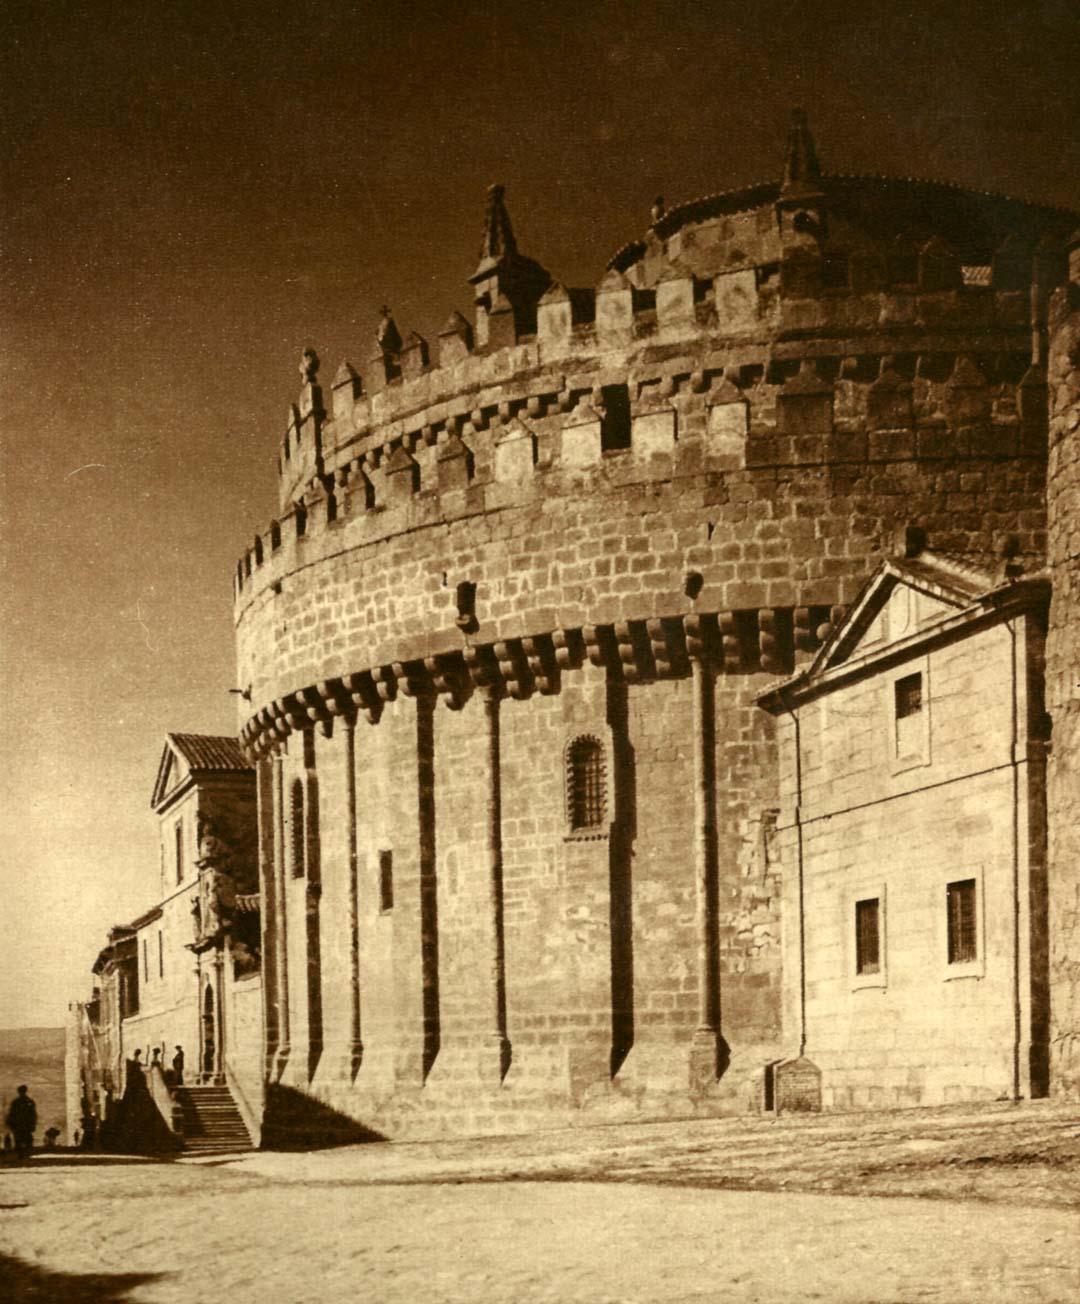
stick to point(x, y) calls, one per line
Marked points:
point(787, 426)
point(1063, 683)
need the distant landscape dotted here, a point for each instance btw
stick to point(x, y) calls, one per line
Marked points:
point(35, 1056)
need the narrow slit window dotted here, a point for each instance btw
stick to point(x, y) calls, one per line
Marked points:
point(296, 821)
point(585, 781)
point(386, 881)
point(179, 844)
point(160, 954)
point(868, 936)
point(963, 935)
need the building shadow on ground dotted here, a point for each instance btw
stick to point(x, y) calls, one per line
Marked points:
point(28, 1283)
point(294, 1121)
point(79, 1159)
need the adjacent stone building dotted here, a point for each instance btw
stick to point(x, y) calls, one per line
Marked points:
point(522, 835)
point(913, 841)
point(187, 972)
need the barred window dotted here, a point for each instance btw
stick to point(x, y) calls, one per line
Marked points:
point(296, 822)
point(868, 936)
point(585, 783)
point(963, 938)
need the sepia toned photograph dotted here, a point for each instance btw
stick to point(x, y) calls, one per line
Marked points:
point(540, 652)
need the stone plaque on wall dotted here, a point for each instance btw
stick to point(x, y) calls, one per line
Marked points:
point(737, 300)
point(798, 1087)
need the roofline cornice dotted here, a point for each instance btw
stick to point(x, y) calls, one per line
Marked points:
point(1018, 598)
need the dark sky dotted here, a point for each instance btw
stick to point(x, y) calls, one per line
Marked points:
point(192, 193)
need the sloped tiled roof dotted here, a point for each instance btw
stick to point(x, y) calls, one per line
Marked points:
point(968, 219)
point(206, 752)
point(149, 917)
point(965, 576)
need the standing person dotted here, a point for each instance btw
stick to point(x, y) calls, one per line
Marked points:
point(155, 1060)
point(22, 1119)
point(178, 1065)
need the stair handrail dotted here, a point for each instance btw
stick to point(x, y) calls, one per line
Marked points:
point(85, 1018)
point(164, 1097)
point(251, 1118)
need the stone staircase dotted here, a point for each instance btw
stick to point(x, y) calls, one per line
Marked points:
point(212, 1122)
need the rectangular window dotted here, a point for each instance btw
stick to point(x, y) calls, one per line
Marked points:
point(386, 881)
point(179, 852)
point(129, 990)
point(867, 936)
point(908, 696)
point(908, 701)
point(963, 933)
point(145, 961)
point(160, 954)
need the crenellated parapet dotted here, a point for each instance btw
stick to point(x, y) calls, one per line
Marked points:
point(846, 270)
point(689, 409)
point(765, 387)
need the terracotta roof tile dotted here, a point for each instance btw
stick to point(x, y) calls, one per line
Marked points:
point(206, 752)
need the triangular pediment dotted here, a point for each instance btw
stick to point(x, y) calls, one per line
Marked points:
point(172, 771)
point(902, 598)
point(187, 756)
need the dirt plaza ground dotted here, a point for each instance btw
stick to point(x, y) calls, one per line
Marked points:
point(958, 1205)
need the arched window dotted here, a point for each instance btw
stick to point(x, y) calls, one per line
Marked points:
point(585, 796)
point(297, 839)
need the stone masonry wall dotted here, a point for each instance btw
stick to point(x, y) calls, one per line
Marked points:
point(600, 935)
point(769, 520)
point(614, 517)
point(921, 1031)
point(1063, 685)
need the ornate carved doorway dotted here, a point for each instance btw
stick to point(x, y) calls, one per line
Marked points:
point(209, 1034)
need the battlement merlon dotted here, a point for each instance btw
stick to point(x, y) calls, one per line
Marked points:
point(743, 322)
point(865, 266)
point(832, 257)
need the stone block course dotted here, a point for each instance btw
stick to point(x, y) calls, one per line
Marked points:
point(782, 436)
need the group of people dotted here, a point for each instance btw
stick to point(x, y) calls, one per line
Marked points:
point(174, 1079)
point(21, 1119)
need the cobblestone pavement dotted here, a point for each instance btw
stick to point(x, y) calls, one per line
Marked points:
point(630, 1214)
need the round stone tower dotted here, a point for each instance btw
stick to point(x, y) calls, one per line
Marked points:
point(503, 641)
